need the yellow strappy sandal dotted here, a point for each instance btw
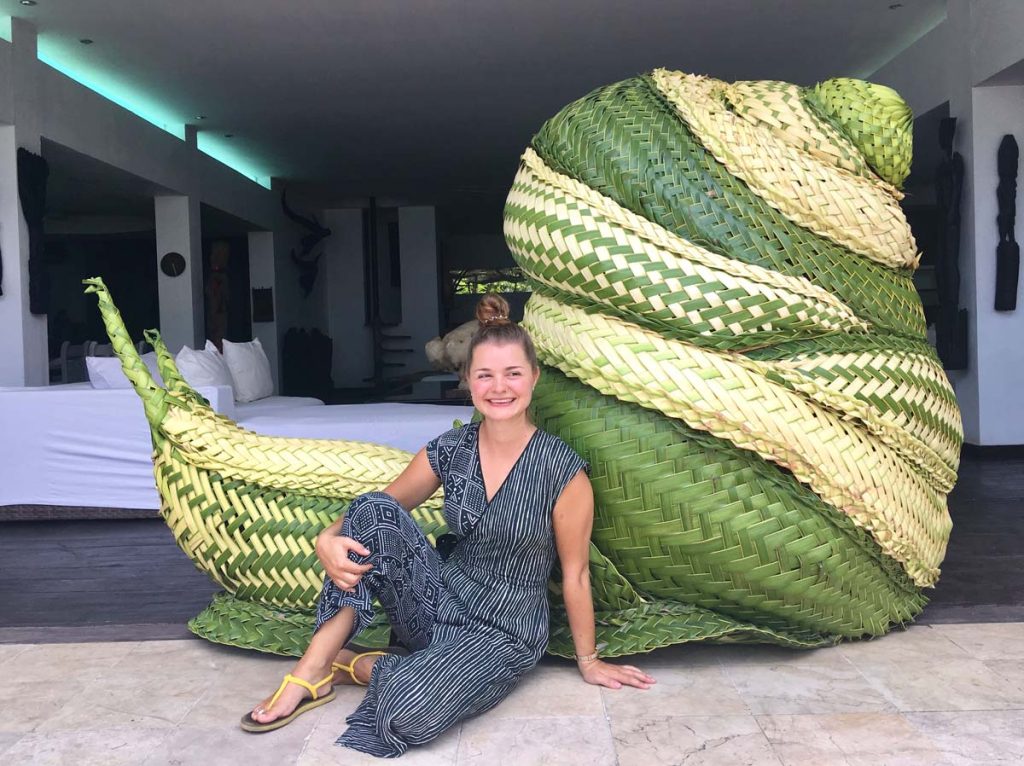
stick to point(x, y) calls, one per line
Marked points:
point(251, 724)
point(351, 667)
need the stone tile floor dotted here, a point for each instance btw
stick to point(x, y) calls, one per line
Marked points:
point(939, 694)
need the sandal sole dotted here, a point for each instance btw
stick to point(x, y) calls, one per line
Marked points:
point(249, 724)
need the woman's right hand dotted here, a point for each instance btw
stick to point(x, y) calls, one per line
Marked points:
point(333, 550)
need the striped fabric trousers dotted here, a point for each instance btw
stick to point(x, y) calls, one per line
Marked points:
point(450, 675)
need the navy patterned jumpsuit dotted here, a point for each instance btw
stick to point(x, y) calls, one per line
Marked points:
point(476, 622)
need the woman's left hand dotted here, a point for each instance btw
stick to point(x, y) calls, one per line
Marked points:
point(601, 673)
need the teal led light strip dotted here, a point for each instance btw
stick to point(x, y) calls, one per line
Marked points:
point(223, 150)
point(56, 54)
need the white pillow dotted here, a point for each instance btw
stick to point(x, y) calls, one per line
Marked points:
point(203, 367)
point(105, 371)
point(250, 370)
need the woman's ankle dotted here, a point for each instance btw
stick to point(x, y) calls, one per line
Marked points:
point(363, 667)
point(308, 667)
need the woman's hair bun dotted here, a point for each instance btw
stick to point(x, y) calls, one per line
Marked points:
point(492, 310)
point(495, 327)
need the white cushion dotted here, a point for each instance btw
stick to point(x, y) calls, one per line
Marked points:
point(105, 371)
point(203, 367)
point(250, 370)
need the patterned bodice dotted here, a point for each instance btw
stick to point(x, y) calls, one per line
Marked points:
point(510, 539)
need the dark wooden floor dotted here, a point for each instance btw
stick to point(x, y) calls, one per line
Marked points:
point(983, 574)
point(127, 578)
point(96, 572)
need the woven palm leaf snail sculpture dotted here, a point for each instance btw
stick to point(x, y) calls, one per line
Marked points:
point(730, 336)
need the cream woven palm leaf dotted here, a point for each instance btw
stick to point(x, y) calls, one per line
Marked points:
point(724, 297)
point(724, 308)
point(246, 508)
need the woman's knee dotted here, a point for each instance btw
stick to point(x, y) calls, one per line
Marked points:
point(370, 511)
point(418, 721)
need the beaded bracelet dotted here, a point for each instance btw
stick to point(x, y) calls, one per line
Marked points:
point(586, 657)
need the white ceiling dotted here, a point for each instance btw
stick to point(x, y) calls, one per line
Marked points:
point(437, 96)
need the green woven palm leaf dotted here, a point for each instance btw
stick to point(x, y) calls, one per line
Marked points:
point(686, 518)
point(723, 282)
point(621, 209)
point(874, 117)
point(626, 142)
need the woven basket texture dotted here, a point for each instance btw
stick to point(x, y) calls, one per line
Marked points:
point(627, 142)
point(247, 514)
point(724, 305)
point(728, 397)
point(727, 264)
point(778, 107)
point(874, 117)
point(687, 519)
point(844, 207)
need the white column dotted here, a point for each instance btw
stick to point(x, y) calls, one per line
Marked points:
point(181, 297)
point(990, 390)
point(352, 360)
point(976, 41)
point(417, 235)
point(23, 349)
point(261, 275)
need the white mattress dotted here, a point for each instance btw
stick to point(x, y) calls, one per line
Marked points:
point(73, 445)
point(406, 426)
point(273, 404)
point(76, 445)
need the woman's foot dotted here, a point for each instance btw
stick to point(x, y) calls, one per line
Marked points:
point(293, 694)
point(362, 669)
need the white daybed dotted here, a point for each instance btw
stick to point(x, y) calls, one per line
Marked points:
point(73, 446)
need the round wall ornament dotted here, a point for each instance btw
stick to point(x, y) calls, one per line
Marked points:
point(172, 264)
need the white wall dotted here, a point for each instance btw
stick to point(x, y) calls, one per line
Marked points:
point(996, 34)
point(997, 338)
point(977, 41)
point(262, 270)
point(6, 82)
point(181, 296)
point(417, 234)
point(23, 349)
point(921, 73)
point(352, 361)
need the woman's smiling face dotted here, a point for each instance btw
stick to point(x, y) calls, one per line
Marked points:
point(501, 380)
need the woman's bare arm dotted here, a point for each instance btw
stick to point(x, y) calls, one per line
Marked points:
point(573, 521)
point(413, 486)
